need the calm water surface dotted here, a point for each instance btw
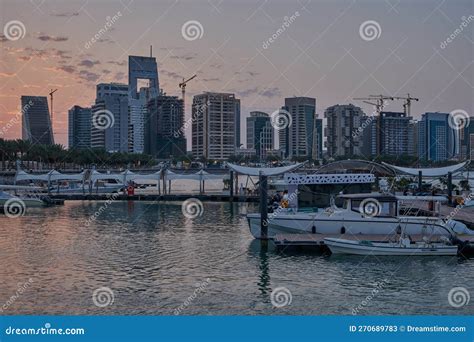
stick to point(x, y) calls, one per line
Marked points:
point(154, 259)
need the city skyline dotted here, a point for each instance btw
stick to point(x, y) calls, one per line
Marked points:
point(326, 58)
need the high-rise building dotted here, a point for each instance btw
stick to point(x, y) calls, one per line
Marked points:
point(164, 130)
point(389, 134)
point(79, 127)
point(467, 140)
point(300, 135)
point(215, 126)
point(260, 134)
point(140, 68)
point(437, 141)
point(36, 121)
point(110, 124)
point(344, 131)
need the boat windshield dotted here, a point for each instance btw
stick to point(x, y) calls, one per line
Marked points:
point(381, 208)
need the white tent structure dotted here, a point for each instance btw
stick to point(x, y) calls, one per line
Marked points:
point(200, 176)
point(266, 171)
point(428, 172)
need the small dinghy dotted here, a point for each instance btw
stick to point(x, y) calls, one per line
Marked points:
point(403, 247)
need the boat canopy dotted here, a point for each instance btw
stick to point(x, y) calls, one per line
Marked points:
point(428, 172)
point(267, 171)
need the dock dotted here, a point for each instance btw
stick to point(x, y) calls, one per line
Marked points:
point(155, 197)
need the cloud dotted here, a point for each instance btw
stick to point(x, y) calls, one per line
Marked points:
point(88, 63)
point(171, 74)
point(270, 92)
point(65, 14)
point(67, 68)
point(7, 74)
point(212, 79)
point(118, 63)
point(45, 38)
point(186, 57)
point(88, 76)
point(119, 76)
point(3, 38)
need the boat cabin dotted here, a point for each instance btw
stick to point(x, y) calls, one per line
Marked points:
point(372, 204)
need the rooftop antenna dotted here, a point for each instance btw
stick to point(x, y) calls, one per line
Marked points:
point(151, 50)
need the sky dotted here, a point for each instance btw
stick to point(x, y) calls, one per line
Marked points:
point(263, 51)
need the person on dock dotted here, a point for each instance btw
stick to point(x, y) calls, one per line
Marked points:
point(285, 201)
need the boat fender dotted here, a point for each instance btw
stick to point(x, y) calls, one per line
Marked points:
point(313, 229)
point(343, 230)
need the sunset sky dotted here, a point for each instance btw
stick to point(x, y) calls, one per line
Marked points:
point(320, 54)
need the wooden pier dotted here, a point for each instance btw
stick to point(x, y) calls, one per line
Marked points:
point(154, 198)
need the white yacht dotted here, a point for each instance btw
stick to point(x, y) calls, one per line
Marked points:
point(368, 213)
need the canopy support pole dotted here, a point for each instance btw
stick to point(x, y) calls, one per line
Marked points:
point(263, 180)
point(231, 188)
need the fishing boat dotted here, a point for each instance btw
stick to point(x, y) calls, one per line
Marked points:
point(368, 213)
point(403, 247)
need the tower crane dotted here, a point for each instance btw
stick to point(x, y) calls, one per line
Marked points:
point(379, 105)
point(182, 85)
point(407, 104)
point(51, 95)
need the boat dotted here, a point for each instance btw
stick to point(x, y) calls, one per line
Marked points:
point(367, 213)
point(17, 204)
point(403, 247)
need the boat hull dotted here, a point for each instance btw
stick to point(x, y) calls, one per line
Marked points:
point(341, 246)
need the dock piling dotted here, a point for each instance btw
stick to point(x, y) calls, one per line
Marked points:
point(263, 182)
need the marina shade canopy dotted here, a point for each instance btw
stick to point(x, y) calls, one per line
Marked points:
point(200, 176)
point(429, 172)
point(267, 171)
point(52, 175)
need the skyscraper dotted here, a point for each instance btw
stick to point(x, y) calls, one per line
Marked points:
point(110, 124)
point(344, 138)
point(36, 121)
point(436, 139)
point(467, 140)
point(260, 134)
point(79, 127)
point(164, 129)
point(140, 68)
point(300, 135)
point(215, 126)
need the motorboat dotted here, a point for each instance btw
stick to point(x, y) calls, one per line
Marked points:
point(367, 213)
point(404, 246)
point(17, 204)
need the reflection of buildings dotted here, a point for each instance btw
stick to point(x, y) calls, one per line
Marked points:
point(79, 129)
point(36, 121)
point(164, 133)
point(215, 126)
point(303, 138)
point(344, 138)
point(436, 139)
point(111, 98)
point(259, 134)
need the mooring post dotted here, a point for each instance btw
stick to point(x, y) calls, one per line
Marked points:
point(231, 186)
point(420, 180)
point(450, 188)
point(263, 206)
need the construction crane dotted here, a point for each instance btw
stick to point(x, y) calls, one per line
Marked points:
point(51, 95)
point(182, 85)
point(380, 101)
point(407, 104)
